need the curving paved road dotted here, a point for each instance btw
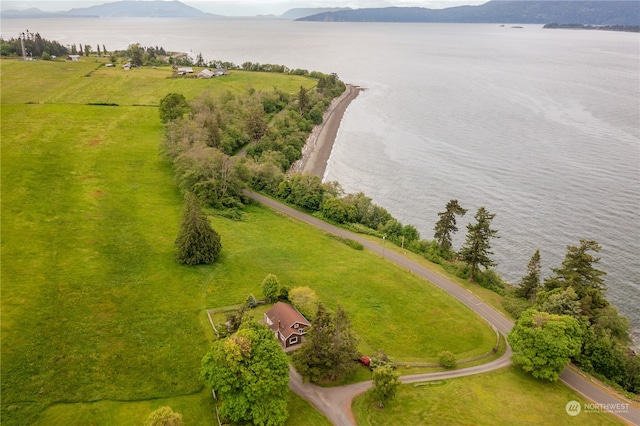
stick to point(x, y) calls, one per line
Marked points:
point(335, 403)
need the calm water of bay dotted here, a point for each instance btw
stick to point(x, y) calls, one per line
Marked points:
point(542, 127)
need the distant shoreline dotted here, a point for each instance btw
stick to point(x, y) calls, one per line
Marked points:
point(319, 144)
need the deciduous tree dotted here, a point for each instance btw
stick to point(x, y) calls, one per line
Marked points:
point(544, 343)
point(197, 241)
point(477, 247)
point(446, 225)
point(304, 190)
point(305, 300)
point(250, 374)
point(172, 107)
point(385, 384)
point(270, 287)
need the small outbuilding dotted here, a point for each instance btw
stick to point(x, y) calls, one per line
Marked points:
point(206, 73)
point(288, 324)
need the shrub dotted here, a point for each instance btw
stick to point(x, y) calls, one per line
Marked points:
point(251, 301)
point(305, 300)
point(164, 416)
point(283, 293)
point(380, 359)
point(447, 359)
point(515, 306)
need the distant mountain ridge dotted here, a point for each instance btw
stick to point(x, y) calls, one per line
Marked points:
point(592, 12)
point(301, 12)
point(121, 9)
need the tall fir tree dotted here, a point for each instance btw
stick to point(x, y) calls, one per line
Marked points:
point(312, 360)
point(579, 271)
point(345, 346)
point(530, 283)
point(197, 242)
point(446, 225)
point(330, 349)
point(477, 247)
point(303, 100)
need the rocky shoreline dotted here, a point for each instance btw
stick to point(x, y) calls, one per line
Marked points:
point(319, 144)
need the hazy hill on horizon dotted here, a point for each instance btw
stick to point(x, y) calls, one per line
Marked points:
point(120, 9)
point(301, 12)
point(592, 12)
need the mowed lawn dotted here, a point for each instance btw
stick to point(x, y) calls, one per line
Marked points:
point(503, 397)
point(95, 311)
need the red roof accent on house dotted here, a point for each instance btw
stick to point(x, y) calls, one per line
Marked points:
point(287, 317)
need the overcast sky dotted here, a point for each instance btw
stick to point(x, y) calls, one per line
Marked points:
point(244, 7)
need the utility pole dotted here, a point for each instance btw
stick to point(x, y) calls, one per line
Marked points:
point(24, 52)
point(384, 237)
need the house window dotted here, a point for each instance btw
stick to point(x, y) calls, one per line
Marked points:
point(293, 340)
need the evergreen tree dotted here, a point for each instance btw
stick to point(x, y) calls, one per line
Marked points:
point(530, 283)
point(98, 50)
point(476, 249)
point(200, 60)
point(136, 53)
point(303, 100)
point(313, 360)
point(330, 349)
point(446, 225)
point(197, 241)
point(104, 49)
point(579, 271)
point(345, 346)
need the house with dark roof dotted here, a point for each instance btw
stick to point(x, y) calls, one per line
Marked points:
point(288, 324)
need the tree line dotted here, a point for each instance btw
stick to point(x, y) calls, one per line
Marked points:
point(567, 317)
point(204, 135)
point(35, 46)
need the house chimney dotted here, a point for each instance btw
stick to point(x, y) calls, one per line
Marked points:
point(278, 324)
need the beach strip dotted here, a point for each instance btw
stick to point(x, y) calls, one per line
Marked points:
point(319, 144)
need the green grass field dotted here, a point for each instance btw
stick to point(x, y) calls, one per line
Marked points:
point(100, 325)
point(502, 397)
point(97, 318)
